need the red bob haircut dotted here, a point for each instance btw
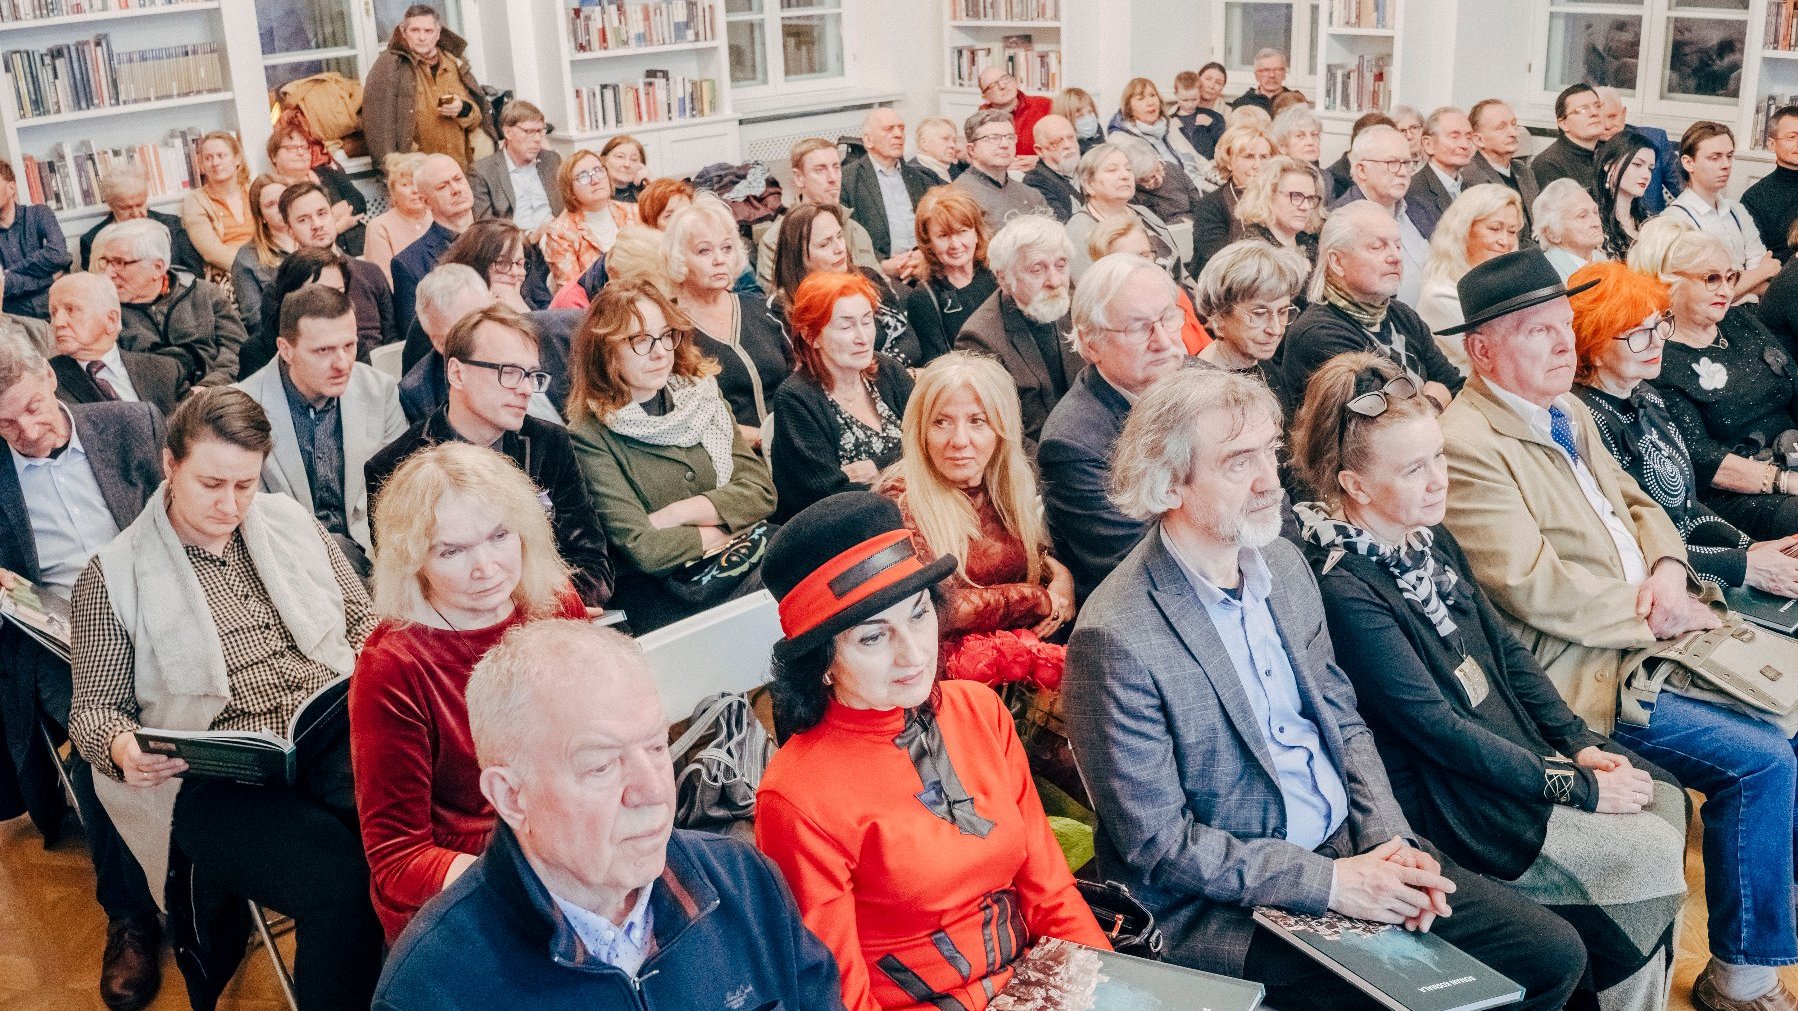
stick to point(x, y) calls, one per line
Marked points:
point(1621, 300)
point(814, 303)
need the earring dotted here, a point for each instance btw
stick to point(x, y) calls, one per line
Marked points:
point(827, 681)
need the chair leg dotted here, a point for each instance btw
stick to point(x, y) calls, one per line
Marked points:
point(62, 772)
point(267, 937)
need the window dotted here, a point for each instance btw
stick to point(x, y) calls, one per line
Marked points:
point(779, 42)
point(1252, 27)
point(314, 36)
point(1683, 52)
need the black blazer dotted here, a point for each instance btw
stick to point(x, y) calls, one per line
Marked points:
point(998, 328)
point(1091, 534)
point(803, 453)
point(123, 442)
point(156, 378)
point(861, 194)
point(1479, 171)
point(1427, 199)
point(1062, 193)
point(1213, 222)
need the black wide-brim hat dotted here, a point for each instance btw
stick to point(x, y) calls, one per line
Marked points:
point(1505, 284)
point(838, 563)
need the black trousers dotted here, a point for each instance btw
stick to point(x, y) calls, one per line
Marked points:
point(297, 850)
point(1534, 947)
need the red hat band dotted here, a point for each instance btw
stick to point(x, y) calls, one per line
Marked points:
point(848, 579)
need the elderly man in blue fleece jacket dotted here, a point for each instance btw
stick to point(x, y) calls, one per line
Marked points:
point(587, 897)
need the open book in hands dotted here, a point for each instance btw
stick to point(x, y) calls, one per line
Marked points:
point(40, 612)
point(247, 756)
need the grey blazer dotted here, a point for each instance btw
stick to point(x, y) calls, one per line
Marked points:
point(372, 418)
point(491, 180)
point(1190, 812)
point(1479, 171)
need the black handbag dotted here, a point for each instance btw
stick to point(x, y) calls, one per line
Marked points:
point(712, 578)
point(1124, 919)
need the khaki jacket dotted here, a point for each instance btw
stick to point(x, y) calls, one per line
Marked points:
point(1541, 552)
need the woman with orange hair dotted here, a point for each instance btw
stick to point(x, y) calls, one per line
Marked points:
point(1620, 327)
point(836, 418)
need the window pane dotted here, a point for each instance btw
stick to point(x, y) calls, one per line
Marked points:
point(799, 5)
point(280, 74)
point(748, 44)
point(1704, 59)
point(742, 6)
point(289, 27)
point(1599, 49)
point(1252, 27)
point(389, 14)
point(1709, 5)
point(812, 46)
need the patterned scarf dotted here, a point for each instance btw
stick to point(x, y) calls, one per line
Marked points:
point(1368, 315)
point(699, 417)
point(1429, 586)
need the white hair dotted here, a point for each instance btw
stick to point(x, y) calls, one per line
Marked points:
point(145, 238)
point(530, 668)
point(1339, 230)
point(1159, 447)
point(707, 212)
point(1552, 204)
point(1295, 118)
point(20, 356)
point(1267, 52)
point(1362, 147)
point(442, 286)
point(1095, 298)
point(121, 179)
point(1024, 234)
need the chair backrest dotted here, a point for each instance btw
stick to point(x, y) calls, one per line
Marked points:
point(768, 438)
point(728, 648)
point(389, 358)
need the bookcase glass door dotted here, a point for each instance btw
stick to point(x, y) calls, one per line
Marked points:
point(304, 37)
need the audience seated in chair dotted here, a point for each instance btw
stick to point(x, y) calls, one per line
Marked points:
point(313, 265)
point(587, 896)
point(186, 318)
point(518, 181)
point(90, 366)
point(1057, 162)
point(1247, 294)
point(125, 191)
point(406, 219)
point(1221, 743)
point(309, 216)
point(881, 192)
point(1483, 222)
point(817, 179)
point(993, 149)
point(253, 269)
point(1108, 182)
point(444, 189)
point(811, 243)
point(954, 278)
point(32, 249)
point(223, 608)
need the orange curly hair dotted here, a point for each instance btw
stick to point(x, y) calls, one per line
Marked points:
point(1621, 300)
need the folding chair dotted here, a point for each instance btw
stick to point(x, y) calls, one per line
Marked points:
point(266, 929)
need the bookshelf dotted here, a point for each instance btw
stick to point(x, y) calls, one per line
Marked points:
point(1357, 60)
point(89, 84)
point(658, 70)
point(1775, 73)
point(1025, 38)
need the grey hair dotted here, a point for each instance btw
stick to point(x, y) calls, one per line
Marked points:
point(426, 163)
point(1267, 51)
point(868, 117)
point(984, 117)
point(19, 356)
point(1093, 158)
point(1555, 200)
point(1295, 118)
point(1400, 113)
point(1026, 233)
point(94, 289)
point(1248, 271)
point(532, 666)
point(1339, 231)
point(143, 237)
point(706, 211)
point(402, 163)
point(1607, 94)
point(1432, 126)
point(1362, 147)
point(122, 179)
point(1099, 287)
point(1143, 159)
point(1162, 439)
point(934, 123)
point(443, 285)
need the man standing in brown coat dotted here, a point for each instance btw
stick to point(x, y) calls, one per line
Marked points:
point(421, 95)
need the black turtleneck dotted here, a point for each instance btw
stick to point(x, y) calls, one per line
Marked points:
point(1773, 203)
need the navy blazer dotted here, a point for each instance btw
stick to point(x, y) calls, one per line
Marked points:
point(1190, 811)
point(410, 265)
point(1427, 199)
point(1091, 534)
point(46, 256)
point(1062, 193)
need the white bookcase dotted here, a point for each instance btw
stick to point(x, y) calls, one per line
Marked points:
point(1357, 60)
point(224, 22)
point(984, 25)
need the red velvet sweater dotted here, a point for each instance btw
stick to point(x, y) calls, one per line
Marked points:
point(418, 792)
point(894, 889)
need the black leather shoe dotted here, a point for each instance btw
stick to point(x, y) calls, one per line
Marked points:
point(131, 969)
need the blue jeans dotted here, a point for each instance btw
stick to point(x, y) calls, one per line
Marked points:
point(1749, 776)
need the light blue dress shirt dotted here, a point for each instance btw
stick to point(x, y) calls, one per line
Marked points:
point(70, 521)
point(902, 231)
point(530, 205)
point(623, 945)
point(1310, 784)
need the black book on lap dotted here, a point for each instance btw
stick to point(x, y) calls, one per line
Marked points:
point(246, 756)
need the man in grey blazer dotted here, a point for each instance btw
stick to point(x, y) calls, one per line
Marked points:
point(519, 180)
point(71, 477)
point(1447, 147)
point(329, 413)
point(1497, 138)
point(1220, 742)
point(882, 192)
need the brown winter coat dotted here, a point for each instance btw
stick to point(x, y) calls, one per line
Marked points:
point(389, 106)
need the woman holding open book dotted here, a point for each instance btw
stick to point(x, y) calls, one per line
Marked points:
point(466, 554)
point(224, 609)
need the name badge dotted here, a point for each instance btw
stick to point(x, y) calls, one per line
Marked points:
point(1473, 681)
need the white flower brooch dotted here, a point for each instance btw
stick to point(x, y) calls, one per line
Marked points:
point(1711, 375)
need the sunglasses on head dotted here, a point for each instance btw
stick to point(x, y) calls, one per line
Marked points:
point(1374, 403)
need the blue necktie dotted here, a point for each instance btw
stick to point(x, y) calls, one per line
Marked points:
point(1560, 427)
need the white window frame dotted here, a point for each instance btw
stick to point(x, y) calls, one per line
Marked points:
point(367, 44)
point(1301, 50)
point(774, 55)
point(1656, 17)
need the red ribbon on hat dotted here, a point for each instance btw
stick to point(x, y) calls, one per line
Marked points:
point(847, 580)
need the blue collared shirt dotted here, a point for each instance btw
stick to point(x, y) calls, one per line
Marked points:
point(1310, 784)
point(901, 216)
point(530, 204)
point(625, 945)
point(70, 521)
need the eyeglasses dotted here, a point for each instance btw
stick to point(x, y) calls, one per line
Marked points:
point(1261, 317)
point(513, 268)
point(643, 343)
point(587, 177)
point(116, 262)
point(1303, 201)
point(996, 83)
point(1643, 337)
point(1002, 137)
point(295, 145)
point(510, 376)
point(1139, 332)
point(1374, 403)
point(1714, 281)
point(1396, 166)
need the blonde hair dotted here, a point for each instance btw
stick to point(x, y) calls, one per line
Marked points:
point(405, 521)
point(637, 254)
point(1249, 115)
point(1233, 140)
point(1109, 231)
point(945, 517)
point(1668, 247)
point(401, 165)
point(1448, 244)
point(1256, 205)
point(707, 214)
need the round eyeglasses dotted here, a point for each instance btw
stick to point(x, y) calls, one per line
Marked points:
point(1643, 337)
point(643, 343)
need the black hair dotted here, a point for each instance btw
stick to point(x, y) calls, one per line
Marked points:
point(1567, 94)
point(1608, 162)
point(798, 689)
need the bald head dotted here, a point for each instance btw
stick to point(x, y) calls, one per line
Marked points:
point(1056, 143)
point(883, 134)
point(84, 316)
point(444, 189)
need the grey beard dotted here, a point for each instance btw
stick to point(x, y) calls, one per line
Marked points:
point(1046, 308)
point(1245, 532)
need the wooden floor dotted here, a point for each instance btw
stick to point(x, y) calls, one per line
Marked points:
point(51, 933)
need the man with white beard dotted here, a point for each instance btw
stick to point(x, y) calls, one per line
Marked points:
point(1127, 327)
point(1025, 323)
point(1058, 156)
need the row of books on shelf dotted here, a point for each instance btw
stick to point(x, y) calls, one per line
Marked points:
point(35, 10)
point(1005, 10)
point(1359, 14)
point(1763, 118)
point(1782, 25)
point(658, 98)
point(67, 177)
point(1034, 69)
point(1360, 86)
point(634, 24)
point(75, 76)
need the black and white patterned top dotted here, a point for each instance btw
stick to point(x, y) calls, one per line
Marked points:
point(1640, 433)
point(860, 442)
